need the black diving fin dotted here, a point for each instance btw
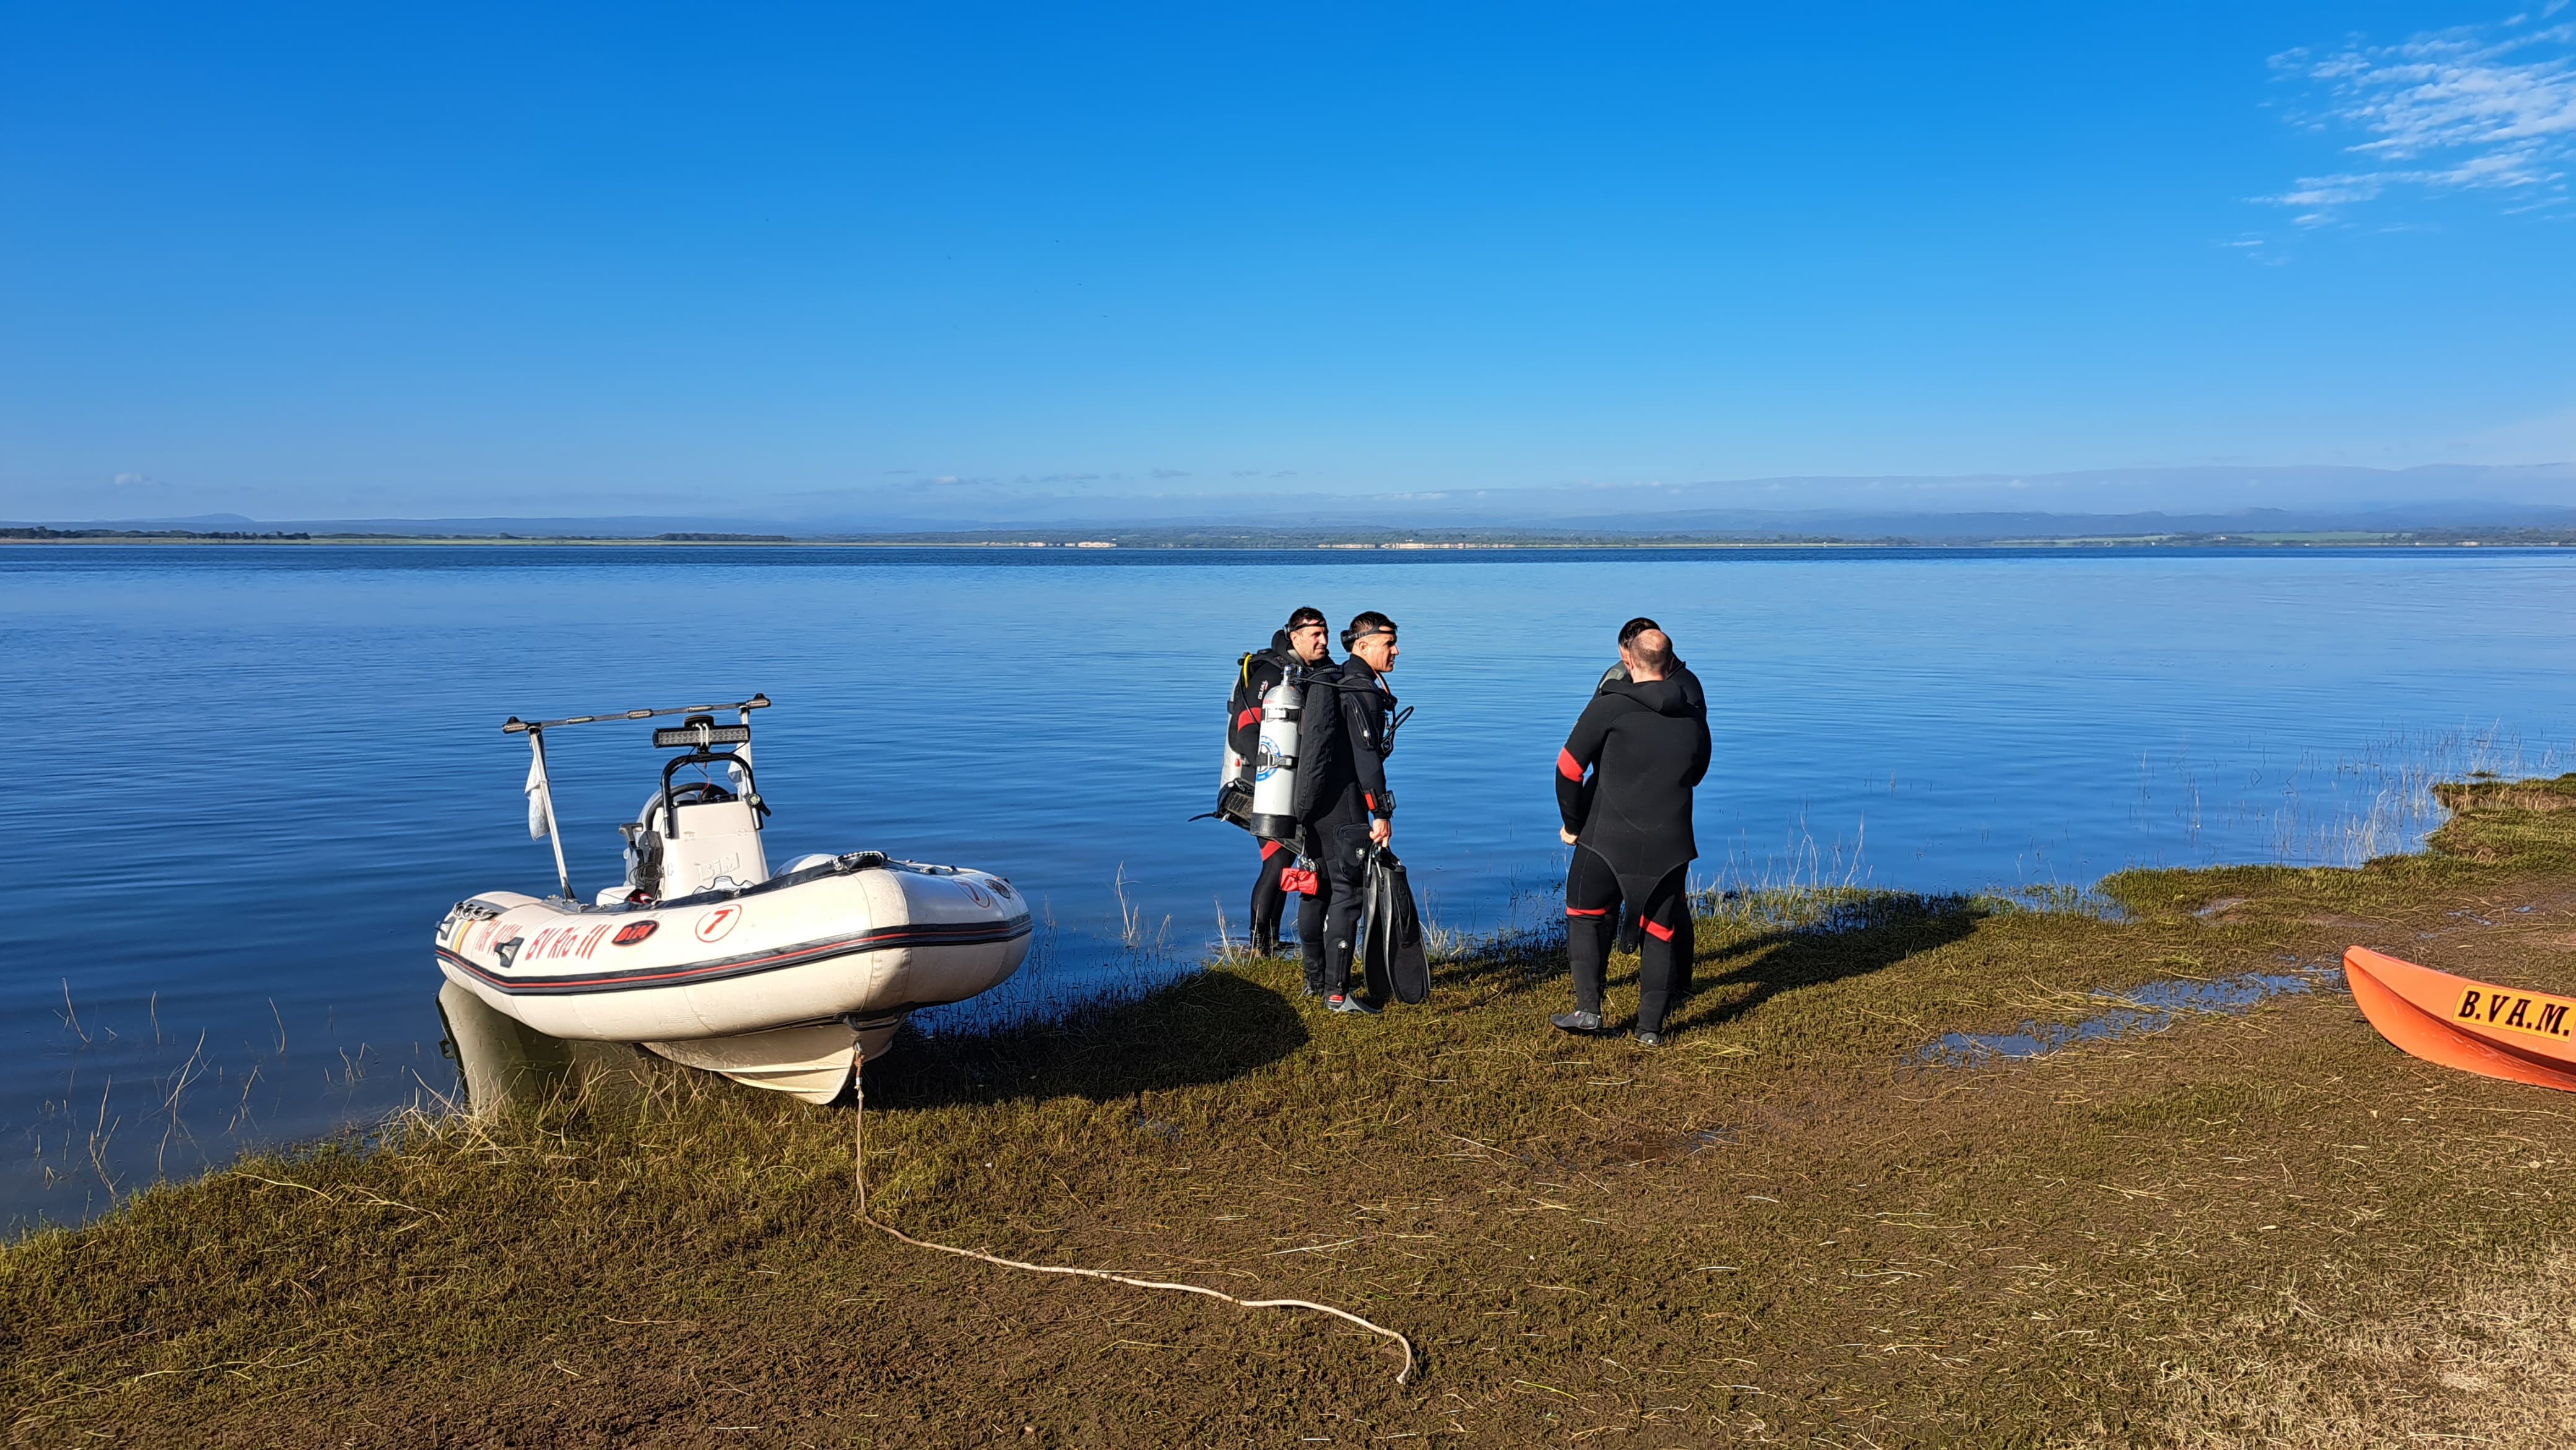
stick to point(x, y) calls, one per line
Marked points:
point(1392, 958)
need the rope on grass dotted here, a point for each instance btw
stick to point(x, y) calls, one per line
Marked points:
point(859, 1181)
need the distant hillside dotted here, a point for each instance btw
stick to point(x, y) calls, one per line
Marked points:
point(2123, 503)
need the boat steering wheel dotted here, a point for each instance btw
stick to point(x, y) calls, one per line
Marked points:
point(708, 792)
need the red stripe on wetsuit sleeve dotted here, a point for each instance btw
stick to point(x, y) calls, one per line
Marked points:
point(1269, 849)
point(1568, 766)
point(1247, 717)
point(1659, 931)
point(1587, 911)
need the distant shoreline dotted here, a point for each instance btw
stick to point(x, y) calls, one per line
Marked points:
point(1191, 541)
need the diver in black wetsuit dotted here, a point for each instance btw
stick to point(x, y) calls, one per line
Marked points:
point(1343, 804)
point(1645, 741)
point(1302, 644)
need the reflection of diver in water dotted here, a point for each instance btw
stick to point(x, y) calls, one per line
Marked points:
point(1302, 645)
point(1644, 741)
point(1343, 803)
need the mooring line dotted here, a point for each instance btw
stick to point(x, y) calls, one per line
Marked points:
point(859, 1183)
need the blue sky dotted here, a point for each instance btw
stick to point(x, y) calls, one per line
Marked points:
point(417, 260)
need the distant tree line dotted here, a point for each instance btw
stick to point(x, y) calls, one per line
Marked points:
point(39, 531)
point(1400, 540)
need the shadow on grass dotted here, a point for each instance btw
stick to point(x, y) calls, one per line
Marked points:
point(1855, 939)
point(1796, 939)
point(1208, 1028)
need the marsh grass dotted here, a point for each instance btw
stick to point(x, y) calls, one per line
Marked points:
point(1782, 1229)
point(2488, 1362)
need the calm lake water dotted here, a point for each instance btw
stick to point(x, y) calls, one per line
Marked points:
point(253, 778)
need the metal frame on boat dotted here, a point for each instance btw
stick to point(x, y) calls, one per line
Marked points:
point(541, 787)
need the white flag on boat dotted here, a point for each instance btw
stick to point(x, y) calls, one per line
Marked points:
point(536, 789)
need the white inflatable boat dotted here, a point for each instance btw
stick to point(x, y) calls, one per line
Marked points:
point(784, 982)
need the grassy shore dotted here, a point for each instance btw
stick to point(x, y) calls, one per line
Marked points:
point(1786, 1228)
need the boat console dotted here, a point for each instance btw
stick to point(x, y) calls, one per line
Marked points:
point(716, 842)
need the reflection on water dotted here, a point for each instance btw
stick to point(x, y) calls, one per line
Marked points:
point(2151, 1008)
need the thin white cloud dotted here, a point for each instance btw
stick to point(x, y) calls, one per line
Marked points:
point(2487, 109)
point(134, 480)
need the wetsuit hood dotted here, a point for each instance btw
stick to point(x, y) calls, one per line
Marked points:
point(1677, 695)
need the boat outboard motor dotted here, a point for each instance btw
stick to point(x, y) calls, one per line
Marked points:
point(1274, 768)
point(643, 858)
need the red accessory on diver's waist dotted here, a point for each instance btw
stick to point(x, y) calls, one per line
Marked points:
point(1297, 879)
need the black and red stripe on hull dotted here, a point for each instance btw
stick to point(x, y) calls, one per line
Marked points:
point(886, 938)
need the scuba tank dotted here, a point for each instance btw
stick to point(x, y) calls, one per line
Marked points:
point(1234, 772)
point(1274, 767)
point(1234, 790)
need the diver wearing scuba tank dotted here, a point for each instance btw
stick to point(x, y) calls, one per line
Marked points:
point(1343, 803)
point(1644, 741)
point(1296, 648)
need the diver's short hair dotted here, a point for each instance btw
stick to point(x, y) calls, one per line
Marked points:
point(1365, 623)
point(1301, 618)
point(1647, 641)
point(1659, 659)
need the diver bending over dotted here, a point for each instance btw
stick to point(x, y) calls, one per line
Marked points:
point(1644, 740)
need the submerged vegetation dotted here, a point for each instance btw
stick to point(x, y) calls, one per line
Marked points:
point(1791, 1226)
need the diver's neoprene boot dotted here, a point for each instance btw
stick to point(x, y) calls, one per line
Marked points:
point(1648, 1039)
point(1346, 1002)
point(1576, 1021)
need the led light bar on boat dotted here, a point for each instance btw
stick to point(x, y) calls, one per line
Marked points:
point(703, 735)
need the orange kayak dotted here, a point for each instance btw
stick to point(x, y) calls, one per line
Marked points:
point(2474, 1026)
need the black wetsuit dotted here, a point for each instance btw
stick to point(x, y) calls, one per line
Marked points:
point(1646, 746)
point(1262, 670)
point(1342, 741)
point(1270, 897)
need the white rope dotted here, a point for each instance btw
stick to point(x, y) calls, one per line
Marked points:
point(859, 1178)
